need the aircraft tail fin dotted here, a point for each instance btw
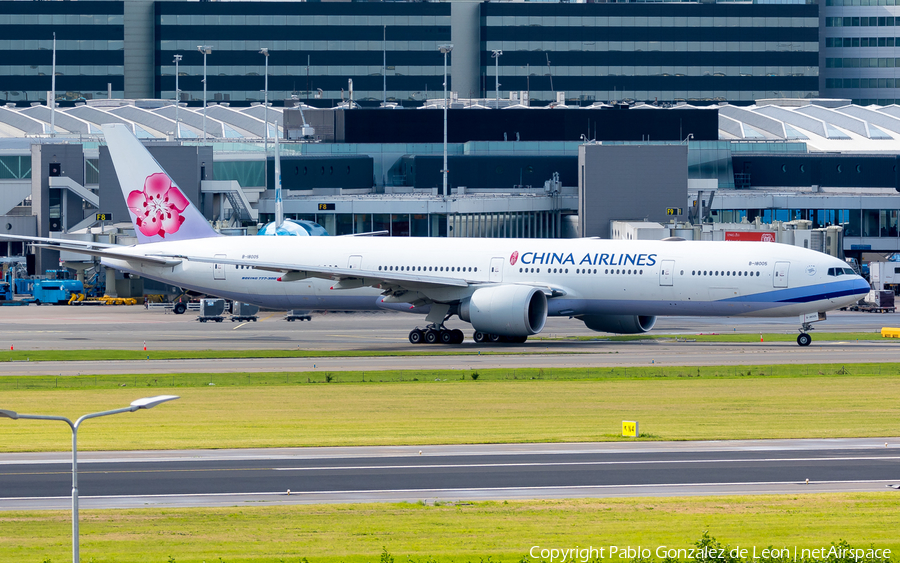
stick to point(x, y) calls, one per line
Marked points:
point(158, 208)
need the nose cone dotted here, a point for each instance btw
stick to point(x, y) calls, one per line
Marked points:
point(860, 286)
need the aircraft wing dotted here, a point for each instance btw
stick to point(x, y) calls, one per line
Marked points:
point(99, 249)
point(296, 272)
point(397, 284)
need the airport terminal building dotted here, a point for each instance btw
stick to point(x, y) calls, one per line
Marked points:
point(664, 52)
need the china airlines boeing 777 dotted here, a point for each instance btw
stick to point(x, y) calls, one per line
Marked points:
point(506, 288)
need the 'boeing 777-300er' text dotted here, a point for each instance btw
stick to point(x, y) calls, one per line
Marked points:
point(506, 288)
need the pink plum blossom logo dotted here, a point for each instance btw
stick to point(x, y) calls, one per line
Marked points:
point(158, 208)
point(513, 258)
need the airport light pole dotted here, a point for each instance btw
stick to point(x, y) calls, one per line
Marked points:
point(495, 54)
point(265, 52)
point(445, 49)
point(177, 93)
point(206, 50)
point(145, 403)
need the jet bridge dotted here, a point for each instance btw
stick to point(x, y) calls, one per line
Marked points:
point(232, 191)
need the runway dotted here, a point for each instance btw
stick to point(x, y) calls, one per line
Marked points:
point(475, 472)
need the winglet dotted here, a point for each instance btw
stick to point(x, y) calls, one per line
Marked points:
point(158, 208)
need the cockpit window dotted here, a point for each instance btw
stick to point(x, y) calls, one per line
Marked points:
point(841, 272)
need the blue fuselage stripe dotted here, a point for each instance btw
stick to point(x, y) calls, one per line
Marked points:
point(807, 294)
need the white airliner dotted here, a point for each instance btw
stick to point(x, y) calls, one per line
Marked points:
point(506, 288)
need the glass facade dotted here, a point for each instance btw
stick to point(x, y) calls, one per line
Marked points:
point(90, 50)
point(394, 224)
point(663, 51)
point(859, 58)
point(314, 50)
point(15, 167)
point(881, 223)
point(652, 51)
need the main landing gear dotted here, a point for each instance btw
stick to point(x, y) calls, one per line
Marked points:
point(440, 335)
point(483, 337)
point(436, 335)
point(436, 332)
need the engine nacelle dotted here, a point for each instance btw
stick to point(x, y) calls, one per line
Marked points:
point(621, 324)
point(508, 310)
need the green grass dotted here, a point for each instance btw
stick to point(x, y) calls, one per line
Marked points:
point(459, 532)
point(653, 371)
point(460, 410)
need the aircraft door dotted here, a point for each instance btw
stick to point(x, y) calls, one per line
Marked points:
point(496, 270)
point(781, 274)
point(666, 272)
point(355, 262)
point(219, 269)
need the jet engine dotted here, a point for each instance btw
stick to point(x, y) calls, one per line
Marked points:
point(508, 310)
point(621, 324)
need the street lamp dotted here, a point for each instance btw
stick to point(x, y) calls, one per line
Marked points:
point(265, 52)
point(177, 93)
point(206, 50)
point(495, 54)
point(445, 49)
point(145, 403)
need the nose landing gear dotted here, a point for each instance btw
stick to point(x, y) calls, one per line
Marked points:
point(806, 321)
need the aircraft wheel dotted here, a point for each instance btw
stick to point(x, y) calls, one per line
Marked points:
point(494, 337)
point(446, 337)
point(431, 336)
point(458, 336)
point(804, 339)
point(479, 337)
point(179, 308)
point(415, 336)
